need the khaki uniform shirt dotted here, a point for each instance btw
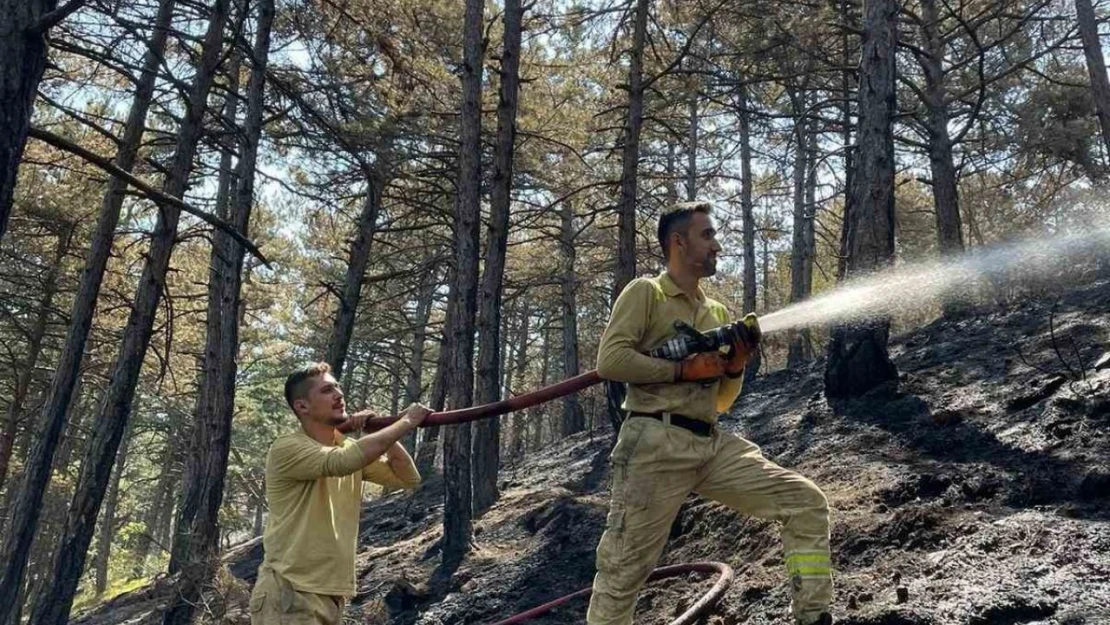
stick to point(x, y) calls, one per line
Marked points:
point(643, 318)
point(315, 497)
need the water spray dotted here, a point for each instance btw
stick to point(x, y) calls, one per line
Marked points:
point(910, 287)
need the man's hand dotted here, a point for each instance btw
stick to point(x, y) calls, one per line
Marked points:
point(748, 337)
point(415, 414)
point(360, 419)
point(699, 367)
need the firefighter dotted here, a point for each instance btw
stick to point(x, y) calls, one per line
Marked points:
point(669, 444)
point(314, 490)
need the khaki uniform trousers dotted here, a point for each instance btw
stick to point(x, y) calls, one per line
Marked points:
point(655, 465)
point(274, 601)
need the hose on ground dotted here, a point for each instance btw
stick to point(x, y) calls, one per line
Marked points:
point(707, 601)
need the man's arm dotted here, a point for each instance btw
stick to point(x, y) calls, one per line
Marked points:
point(395, 469)
point(732, 383)
point(304, 460)
point(617, 357)
point(728, 391)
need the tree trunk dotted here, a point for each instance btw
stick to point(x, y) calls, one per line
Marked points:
point(34, 350)
point(74, 417)
point(259, 509)
point(36, 476)
point(574, 420)
point(197, 532)
point(630, 154)
point(163, 491)
point(746, 207)
point(692, 150)
point(53, 605)
point(414, 385)
point(630, 162)
point(108, 518)
point(357, 261)
point(429, 440)
point(1096, 66)
point(672, 174)
point(796, 355)
point(457, 510)
point(23, 48)
point(848, 24)
point(487, 435)
point(941, 164)
point(395, 405)
point(858, 359)
point(811, 221)
point(747, 218)
point(766, 271)
point(520, 367)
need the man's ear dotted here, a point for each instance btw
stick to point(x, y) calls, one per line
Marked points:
point(299, 405)
point(677, 241)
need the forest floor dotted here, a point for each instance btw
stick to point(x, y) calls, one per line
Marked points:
point(981, 486)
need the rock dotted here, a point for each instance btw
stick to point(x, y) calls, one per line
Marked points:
point(865, 597)
point(404, 595)
point(1095, 485)
point(948, 417)
point(1041, 392)
point(1103, 362)
point(852, 603)
point(903, 594)
point(936, 557)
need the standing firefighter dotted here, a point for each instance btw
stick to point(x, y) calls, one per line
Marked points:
point(314, 490)
point(670, 444)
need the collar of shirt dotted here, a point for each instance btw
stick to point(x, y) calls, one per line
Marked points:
point(670, 289)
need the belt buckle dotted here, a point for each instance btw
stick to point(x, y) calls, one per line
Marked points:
point(666, 418)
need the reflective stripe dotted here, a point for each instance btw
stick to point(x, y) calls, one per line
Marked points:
point(819, 571)
point(808, 557)
point(809, 563)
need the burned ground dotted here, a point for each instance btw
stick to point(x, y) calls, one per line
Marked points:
point(980, 487)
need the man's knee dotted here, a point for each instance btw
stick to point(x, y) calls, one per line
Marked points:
point(813, 497)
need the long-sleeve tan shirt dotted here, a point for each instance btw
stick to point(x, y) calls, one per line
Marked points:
point(643, 318)
point(315, 497)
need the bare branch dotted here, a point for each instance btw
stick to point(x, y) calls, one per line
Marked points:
point(147, 190)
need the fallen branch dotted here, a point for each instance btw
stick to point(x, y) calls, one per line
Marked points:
point(150, 192)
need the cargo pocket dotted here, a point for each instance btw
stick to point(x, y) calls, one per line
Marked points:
point(643, 466)
point(610, 550)
point(258, 601)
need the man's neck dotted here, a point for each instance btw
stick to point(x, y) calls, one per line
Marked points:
point(685, 279)
point(319, 432)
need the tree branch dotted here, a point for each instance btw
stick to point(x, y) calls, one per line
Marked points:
point(150, 192)
point(50, 19)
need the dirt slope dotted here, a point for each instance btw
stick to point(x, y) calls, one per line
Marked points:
point(981, 487)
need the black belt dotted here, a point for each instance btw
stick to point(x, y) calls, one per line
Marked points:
point(697, 426)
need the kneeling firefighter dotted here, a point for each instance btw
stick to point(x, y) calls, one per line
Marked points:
point(670, 445)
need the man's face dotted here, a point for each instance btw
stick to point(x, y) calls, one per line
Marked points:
point(700, 247)
point(324, 403)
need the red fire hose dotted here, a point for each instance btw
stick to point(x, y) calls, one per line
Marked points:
point(707, 601)
point(520, 402)
point(540, 396)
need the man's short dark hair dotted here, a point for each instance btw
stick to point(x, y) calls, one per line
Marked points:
point(678, 220)
point(297, 384)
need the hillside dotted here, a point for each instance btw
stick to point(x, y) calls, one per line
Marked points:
point(981, 487)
